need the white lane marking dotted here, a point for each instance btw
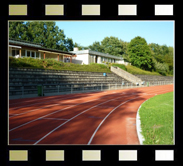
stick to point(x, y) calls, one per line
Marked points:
point(56, 112)
point(42, 102)
point(46, 98)
point(51, 114)
point(49, 106)
point(138, 125)
point(70, 120)
point(34, 110)
point(106, 118)
point(53, 118)
point(110, 113)
point(39, 118)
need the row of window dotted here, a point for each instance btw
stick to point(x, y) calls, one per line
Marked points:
point(26, 53)
point(107, 59)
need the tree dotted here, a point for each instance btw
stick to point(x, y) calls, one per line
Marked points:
point(96, 46)
point(80, 47)
point(17, 30)
point(140, 54)
point(45, 33)
point(112, 45)
point(125, 52)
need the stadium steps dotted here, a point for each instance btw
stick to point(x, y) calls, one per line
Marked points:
point(30, 78)
point(153, 79)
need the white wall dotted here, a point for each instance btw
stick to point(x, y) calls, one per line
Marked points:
point(83, 57)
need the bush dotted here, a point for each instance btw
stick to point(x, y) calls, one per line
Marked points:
point(53, 64)
point(162, 68)
point(120, 66)
point(135, 70)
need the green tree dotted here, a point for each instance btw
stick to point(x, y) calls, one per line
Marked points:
point(162, 68)
point(17, 30)
point(96, 46)
point(112, 45)
point(140, 54)
point(45, 33)
point(80, 47)
point(125, 51)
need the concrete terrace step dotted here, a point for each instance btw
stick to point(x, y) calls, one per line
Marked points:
point(57, 72)
point(65, 80)
point(155, 78)
point(30, 78)
point(57, 76)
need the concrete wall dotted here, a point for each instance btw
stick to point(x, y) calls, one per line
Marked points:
point(91, 58)
point(124, 74)
point(75, 61)
point(84, 58)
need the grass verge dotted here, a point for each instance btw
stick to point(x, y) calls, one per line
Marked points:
point(135, 70)
point(156, 116)
point(51, 64)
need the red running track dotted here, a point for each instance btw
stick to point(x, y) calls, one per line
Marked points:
point(107, 117)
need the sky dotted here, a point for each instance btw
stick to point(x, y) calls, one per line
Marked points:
point(85, 33)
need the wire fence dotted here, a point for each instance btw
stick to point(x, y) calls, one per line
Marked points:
point(33, 90)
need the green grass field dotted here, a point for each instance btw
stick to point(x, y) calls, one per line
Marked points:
point(156, 116)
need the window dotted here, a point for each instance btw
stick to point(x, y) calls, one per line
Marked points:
point(23, 53)
point(15, 52)
point(32, 54)
point(28, 53)
point(37, 54)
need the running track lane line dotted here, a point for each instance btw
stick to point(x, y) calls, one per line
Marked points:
point(107, 116)
point(73, 118)
point(84, 112)
point(50, 106)
point(33, 110)
point(41, 102)
point(104, 102)
point(55, 112)
point(110, 113)
point(46, 106)
point(46, 100)
point(52, 113)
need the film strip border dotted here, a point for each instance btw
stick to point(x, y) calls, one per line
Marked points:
point(91, 10)
point(90, 155)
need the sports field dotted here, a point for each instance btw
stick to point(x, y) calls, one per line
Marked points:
point(106, 117)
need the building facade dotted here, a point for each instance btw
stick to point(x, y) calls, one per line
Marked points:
point(19, 48)
point(89, 56)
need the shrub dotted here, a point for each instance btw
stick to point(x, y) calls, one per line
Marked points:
point(135, 70)
point(53, 64)
point(120, 66)
point(162, 68)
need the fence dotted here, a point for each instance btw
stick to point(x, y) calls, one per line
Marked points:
point(30, 90)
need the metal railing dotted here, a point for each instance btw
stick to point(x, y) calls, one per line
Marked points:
point(22, 91)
